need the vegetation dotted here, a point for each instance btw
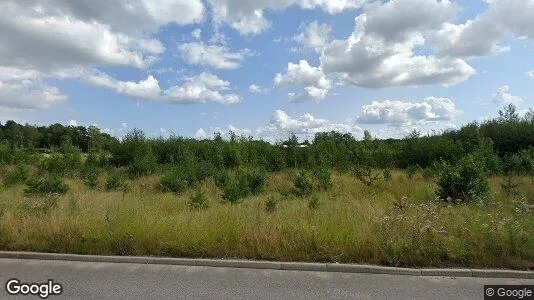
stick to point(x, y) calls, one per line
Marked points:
point(458, 198)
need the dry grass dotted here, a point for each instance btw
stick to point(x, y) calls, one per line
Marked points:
point(354, 223)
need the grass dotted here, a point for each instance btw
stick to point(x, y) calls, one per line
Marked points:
point(396, 222)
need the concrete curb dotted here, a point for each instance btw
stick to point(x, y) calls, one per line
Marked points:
point(295, 266)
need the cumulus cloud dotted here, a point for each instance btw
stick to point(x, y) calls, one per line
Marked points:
point(314, 36)
point(256, 89)
point(217, 56)
point(57, 39)
point(481, 36)
point(282, 125)
point(530, 74)
point(316, 84)
point(202, 88)
point(247, 17)
point(200, 134)
point(194, 89)
point(503, 96)
point(381, 50)
point(405, 113)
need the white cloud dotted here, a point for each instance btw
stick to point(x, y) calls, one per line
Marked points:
point(481, 36)
point(530, 74)
point(195, 89)
point(282, 125)
point(381, 50)
point(247, 17)
point(256, 89)
point(73, 123)
point(503, 96)
point(29, 94)
point(196, 34)
point(316, 85)
point(220, 57)
point(200, 89)
point(58, 39)
point(405, 113)
point(314, 36)
point(200, 134)
point(145, 89)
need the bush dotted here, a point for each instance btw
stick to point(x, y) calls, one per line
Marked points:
point(114, 181)
point(142, 166)
point(510, 185)
point(17, 176)
point(49, 184)
point(303, 184)
point(198, 201)
point(464, 181)
point(256, 180)
point(222, 178)
point(173, 181)
point(366, 175)
point(90, 177)
point(323, 176)
point(270, 204)
point(233, 192)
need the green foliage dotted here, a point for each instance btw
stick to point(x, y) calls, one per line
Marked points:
point(256, 180)
point(323, 177)
point(428, 173)
point(17, 176)
point(199, 200)
point(222, 178)
point(47, 184)
point(464, 181)
point(90, 177)
point(174, 181)
point(303, 184)
point(114, 181)
point(366, 175)
point(271, 203)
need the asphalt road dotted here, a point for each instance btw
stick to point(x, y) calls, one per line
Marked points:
point(83, 280)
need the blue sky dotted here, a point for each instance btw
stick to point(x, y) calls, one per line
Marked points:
point(265, 68)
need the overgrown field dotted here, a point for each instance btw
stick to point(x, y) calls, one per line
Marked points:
point(295, 216)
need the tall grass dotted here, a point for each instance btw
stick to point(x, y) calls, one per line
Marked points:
point(396, 222)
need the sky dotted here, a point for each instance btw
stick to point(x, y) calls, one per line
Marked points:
point(264, 68)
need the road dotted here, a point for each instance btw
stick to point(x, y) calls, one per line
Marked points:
point(84, 280)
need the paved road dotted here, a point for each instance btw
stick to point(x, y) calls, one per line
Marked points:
point(83, 280)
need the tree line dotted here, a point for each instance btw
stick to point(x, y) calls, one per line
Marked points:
point(504, 144)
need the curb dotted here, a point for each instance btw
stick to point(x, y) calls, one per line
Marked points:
point(294, 266)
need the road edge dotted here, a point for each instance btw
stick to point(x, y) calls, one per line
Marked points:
point(293, 266)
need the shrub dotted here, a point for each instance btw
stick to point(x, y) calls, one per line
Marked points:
point(256, 180)
point(464, 181)
point(49, 184)
point(303, 184)
point(90, 177)
point(233, 192)
point(198, 201)
point(323, 176)
point(17, 176)
point(222, 178)
point(270, 204)
point(313, 203)
point(142, 166)
point(114, 181)
point(366, 175)
point(173, 181)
